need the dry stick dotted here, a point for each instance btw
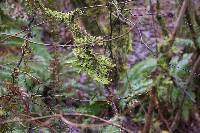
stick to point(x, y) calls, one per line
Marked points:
point(160, 20)
point(120, 36)
point(111, 97)
point(128, 22)
point(157, 104)
point(178, 21)
point(57, 116)
point(196, 12)
point(67, 43)
point(61, 116)
point(149, 114)
point(122, 18)
point(81, 125)
point(153, 24)
point(101, 119)
point(45, 44)
point(143, 42)
point(39, 123)
point(22, 54)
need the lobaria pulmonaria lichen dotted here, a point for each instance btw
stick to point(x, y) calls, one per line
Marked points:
point(95, 65)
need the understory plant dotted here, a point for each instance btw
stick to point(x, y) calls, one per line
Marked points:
point(67, 70)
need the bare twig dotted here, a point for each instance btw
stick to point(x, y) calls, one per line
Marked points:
point(130, 23)
point(61, 116)
point(149, 114)
point(179, 21)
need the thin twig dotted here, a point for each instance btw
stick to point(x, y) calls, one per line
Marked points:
point(57, 116)
point(179, 21)
point(149, 114)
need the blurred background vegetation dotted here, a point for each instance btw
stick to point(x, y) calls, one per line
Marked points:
point(110, 66)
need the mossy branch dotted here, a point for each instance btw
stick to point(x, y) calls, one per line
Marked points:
point(95, 65)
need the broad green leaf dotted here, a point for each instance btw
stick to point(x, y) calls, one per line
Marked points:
point(137, 81)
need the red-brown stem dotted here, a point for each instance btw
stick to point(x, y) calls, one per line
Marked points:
point(149, 114)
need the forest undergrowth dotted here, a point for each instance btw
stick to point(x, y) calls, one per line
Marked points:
point(110, 66)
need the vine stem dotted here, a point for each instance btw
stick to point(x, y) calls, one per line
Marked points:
point(62, 116)
point(179, 21)
point(149, 114)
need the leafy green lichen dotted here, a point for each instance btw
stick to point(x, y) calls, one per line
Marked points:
point(95, 65)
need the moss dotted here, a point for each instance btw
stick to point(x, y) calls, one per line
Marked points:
point(95, 65)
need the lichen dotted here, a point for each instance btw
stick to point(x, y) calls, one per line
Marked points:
point(95, 65)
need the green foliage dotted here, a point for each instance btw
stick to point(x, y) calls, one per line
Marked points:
point(137, 81)
point(110, 129)
point(184, 42)
point(40, 69)
point(180, 68)
point(40, 54)
point(188, 44)
point(94, 108)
